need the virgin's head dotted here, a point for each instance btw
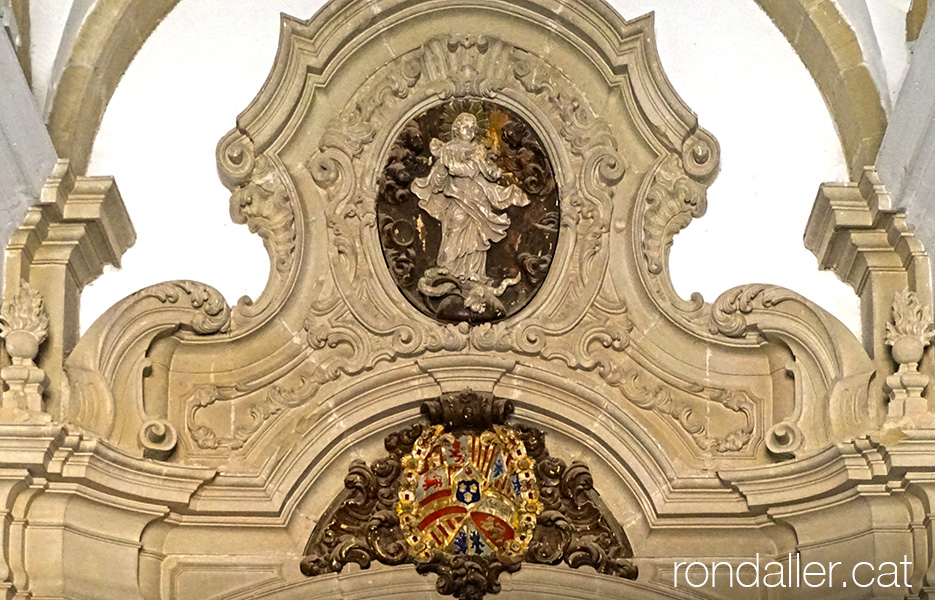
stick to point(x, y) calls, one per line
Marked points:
point(464, 127)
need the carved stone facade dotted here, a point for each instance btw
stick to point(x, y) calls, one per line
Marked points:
point(470, 195)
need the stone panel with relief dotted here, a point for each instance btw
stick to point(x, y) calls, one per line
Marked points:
point(468, 211)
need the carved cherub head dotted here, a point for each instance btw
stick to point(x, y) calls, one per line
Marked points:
point(464, 127)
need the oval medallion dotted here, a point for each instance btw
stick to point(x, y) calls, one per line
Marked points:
point(468, 212)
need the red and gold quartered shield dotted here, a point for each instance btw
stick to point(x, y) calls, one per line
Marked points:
point(469, 494)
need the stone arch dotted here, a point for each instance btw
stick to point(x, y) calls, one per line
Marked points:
point(105, 43)
point(831, 52)
point(109, 38)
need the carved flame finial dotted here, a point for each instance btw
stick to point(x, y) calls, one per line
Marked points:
point(24, 325)
point(910, 332)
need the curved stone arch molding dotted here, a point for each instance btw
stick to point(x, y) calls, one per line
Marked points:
point(620, 446)
point(830, 50)
point(107, 40)
point(89, 66)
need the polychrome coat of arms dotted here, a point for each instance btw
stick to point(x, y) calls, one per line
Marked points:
point(468, 497)
point(469, 494)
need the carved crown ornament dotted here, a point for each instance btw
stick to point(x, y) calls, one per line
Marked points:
point(467, 498)
point(446, 205)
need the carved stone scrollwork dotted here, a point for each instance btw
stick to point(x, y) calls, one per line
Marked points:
point(211, 313)
point(263, 204)
point(467, 409)
point(673, 200)
point(100, 373)
point(574, 526)
point(262, 199)
point(600, 344)
point(158, 438)
point(727, 313)
point(277, 399)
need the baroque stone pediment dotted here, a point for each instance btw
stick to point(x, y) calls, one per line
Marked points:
point(631, 165)
point(337, 350)
point(468, 195)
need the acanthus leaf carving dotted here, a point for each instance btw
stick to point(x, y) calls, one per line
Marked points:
point(728, 312)
point(351, 327)
point(600, 344)
point(673, 200)
point(264, 205)
point(573, 527)
point(364, 524)
point(211, 312)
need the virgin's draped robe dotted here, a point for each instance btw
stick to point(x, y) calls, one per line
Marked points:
point(462, 194)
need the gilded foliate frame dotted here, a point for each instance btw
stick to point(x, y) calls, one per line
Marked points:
point(363, 523)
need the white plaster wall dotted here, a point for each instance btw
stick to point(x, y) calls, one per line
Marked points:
point(205, 62)
point(201, 66)
point(906, 162)
point(47, 21)
point(889, 26)
point(26, 153)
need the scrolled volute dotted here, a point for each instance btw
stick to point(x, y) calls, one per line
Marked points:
point(105, 363)
point(467, 409)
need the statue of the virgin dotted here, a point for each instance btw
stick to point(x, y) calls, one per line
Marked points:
point(462, 193)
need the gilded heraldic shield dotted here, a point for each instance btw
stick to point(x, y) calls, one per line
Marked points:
point(469, 494)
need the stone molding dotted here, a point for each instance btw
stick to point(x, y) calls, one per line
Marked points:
point(828, 46)
point(89, 66)
point(855, 231)
point(60, 486)
point(107, 40)
point(79, 225)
